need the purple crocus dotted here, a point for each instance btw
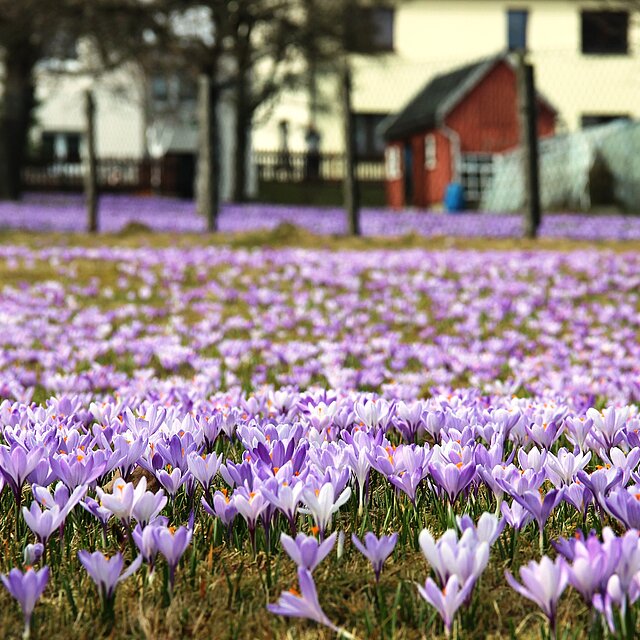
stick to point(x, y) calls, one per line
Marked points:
point(377, 550)
point(26, 588)
point(107, 572)
point(172, 543)
point(543, 583)
point(32, 553)
point(452, 478)
point(16, 464)
point(304, 604)
point(306, 551)
point(145, 540)
point(447, 600)
point(204, 468)
point(625, 507)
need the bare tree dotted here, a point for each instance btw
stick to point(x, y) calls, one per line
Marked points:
point(32, 30)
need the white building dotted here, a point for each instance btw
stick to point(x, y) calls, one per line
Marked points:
point(585, 55)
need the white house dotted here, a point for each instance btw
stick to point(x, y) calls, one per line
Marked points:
point(584, 51)
point(136, 115)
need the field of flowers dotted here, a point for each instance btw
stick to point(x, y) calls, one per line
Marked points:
point(284, 442)
point(66, 212)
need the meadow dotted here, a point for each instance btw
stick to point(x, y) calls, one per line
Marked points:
point(280, 435)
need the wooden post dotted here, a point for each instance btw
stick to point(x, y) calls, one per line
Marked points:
point(351, 195)
point(528, 113)
point(208, 154)
point(91, 173)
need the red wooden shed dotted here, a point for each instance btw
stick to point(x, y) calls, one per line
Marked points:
point(450, 131)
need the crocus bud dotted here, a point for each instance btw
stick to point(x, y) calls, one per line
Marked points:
point(32, 553)
point(340, 547)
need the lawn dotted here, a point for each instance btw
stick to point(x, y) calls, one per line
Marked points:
point(416, 379)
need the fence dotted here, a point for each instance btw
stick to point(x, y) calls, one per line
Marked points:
point(114, 174)
point(284, 166)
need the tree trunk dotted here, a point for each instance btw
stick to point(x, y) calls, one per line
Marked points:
point(529, 144)
point(242, 127)
point(18, 101)
point(91, 172)
point(208, 182)
point(351, 195)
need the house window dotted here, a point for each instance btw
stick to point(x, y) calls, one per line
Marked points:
point(476, 172)
point(605, 32)
point(159, 88)
point(392, 166)
point(61, 146)
point(594, 119)
point(369, 143)
point(517, 29)
point(373, 30)
point(61, 46)
point(187, 89)
point(430, 160)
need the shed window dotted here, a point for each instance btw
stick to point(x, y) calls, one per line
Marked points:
point(605, 32)
point(430, 159)
point(476, 171)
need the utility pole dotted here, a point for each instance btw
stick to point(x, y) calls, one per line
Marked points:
point(351, 195)
point(208, 152)
point(91, 173)
point(528, 117)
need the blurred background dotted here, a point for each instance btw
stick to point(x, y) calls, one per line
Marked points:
point(427, 91)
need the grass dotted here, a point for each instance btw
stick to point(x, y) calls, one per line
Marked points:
point(288, 235)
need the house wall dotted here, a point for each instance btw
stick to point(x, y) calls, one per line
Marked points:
point(433, 36)
point(120, 123)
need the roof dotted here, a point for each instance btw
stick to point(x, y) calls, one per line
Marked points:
point(428, 108)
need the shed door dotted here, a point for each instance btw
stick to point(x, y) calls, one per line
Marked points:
point(408, 174)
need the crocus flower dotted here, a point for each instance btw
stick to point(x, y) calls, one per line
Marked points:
point(172, 543)
point(43, 522)
point(32, 553)
point(322, 504)
point(123, 497)
point(447, 600)
point(204, 468)
point(145, 539)
point(466, 557)
point(305, 550)
point(304, 604)
point(543, 583)
point(107, 572)
point(377, 550)
point(625, 507)
point(26, 588)
point(16, 464)
point(452, 478)
point(540, 506)
point(147, 506)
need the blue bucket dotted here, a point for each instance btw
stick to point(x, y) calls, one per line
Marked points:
point(454, 197)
